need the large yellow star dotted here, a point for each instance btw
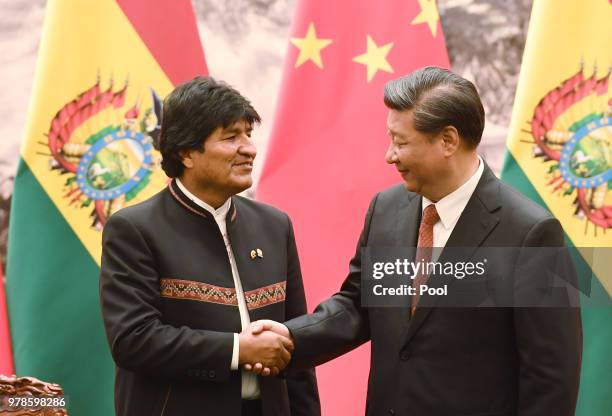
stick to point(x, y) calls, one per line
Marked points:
point(310, 47)
point(375, 58)
point(429, 14)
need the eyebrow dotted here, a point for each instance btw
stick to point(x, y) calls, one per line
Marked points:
point(236, 129)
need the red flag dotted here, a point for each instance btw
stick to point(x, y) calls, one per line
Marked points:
point(326, 156)
point(6, 355)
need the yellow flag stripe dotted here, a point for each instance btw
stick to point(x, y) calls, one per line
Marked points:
point(563, 36)
point(81, 41)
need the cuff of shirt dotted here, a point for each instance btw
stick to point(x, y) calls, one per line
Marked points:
point(235, 353)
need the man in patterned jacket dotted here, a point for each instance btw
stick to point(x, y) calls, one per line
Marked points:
point(185, 272)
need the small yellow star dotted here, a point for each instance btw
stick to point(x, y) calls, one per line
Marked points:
point(310, 47)
point(429, 14)
point(375, 58)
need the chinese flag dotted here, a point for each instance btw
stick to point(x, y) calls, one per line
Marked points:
point(326, 156)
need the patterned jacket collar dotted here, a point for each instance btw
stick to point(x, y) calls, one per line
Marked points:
point(194, 208)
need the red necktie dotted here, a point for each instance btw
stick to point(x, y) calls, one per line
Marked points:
point(424, 249)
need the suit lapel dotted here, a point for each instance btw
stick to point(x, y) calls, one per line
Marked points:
point(478, 218)
point(476, 222)
point(408, 218)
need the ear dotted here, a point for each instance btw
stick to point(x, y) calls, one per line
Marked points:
point(450, 140)
point(186, 158)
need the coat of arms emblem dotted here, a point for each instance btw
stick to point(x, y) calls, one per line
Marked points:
point(105, 148)
point(572, 129)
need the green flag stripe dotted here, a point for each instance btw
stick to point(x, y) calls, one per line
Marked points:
point(595, 397)
point(53, 302)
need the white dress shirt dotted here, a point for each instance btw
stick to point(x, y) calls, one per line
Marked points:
point(451, 206)
point(250, 384)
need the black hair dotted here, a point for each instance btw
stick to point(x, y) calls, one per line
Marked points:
point(192, 112)
point(439, 98)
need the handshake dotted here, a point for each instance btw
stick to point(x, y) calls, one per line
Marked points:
point(265, 347)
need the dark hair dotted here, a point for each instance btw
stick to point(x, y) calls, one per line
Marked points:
point(192, 112)
point(439, 98)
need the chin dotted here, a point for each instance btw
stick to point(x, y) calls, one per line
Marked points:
point(243, 185)
point(410, 186)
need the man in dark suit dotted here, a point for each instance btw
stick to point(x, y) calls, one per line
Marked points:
point(428, 360)
point(185, 272)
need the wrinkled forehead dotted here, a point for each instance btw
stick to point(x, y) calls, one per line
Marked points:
point(242, 125)
point(398, 121)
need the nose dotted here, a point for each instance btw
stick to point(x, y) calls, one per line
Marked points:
point(247, 147)
point(390, 155)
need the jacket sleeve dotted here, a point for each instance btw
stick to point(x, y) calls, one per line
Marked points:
point(337, 325)
point(549, 342)
point(301, 384)
point(130, 298)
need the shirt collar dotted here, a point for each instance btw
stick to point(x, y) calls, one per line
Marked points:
point(452, 205)
point(219, 213)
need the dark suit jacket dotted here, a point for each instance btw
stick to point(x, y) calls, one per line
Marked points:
point(170, 309)
point(453, 361)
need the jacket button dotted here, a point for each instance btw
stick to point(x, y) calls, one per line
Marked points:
point(404, 355)
point(211, 374)
point(391, 411)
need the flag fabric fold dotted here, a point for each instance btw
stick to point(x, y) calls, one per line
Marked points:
point(326, 154)
point(559, 154)
point(90, 148)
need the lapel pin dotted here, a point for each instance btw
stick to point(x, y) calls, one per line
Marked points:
point(259, 253)
point(253, 254)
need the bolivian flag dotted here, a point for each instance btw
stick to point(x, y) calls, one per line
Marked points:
point(90, 148)
point(560, 155)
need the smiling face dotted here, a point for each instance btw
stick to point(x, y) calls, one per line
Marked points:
point(419, 158)
point(224, 167)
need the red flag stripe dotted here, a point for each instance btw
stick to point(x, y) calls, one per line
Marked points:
point(6, 355)
point(157, 29)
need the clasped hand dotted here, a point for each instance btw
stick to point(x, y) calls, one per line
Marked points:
point(265, 347)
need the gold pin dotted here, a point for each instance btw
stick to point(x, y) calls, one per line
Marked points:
point(253, 254)
point(259, 253)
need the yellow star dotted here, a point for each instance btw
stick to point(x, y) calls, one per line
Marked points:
point(429, 14)
point(310, 47)
point(375, 58)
